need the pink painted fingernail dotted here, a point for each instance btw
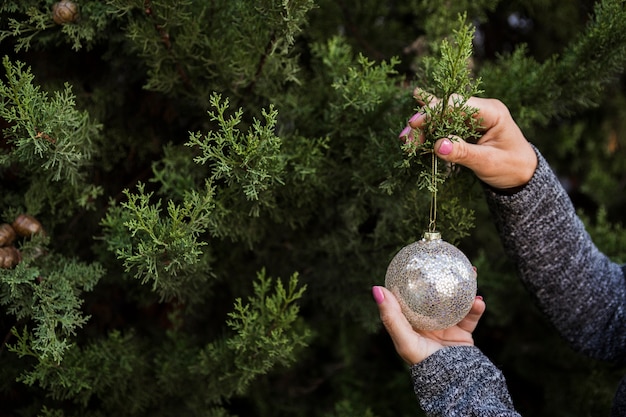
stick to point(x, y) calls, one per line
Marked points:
point(416, 117)
point(480, 297)
point(446, 147)
point(405, 132)
point(378, 294)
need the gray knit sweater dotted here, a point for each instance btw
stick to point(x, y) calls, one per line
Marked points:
point(580, 290)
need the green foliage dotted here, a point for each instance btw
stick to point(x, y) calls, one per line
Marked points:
point(577, 74)
point(445, 108)
point(38, 25)
point(188, 46)
point(165, 251)
point(267, 334)
point(49, 140)
point(264, 332)
point(441, 20)
point(361, 87)
point(246, 163)
point(446, 115)
point(346, 409)
point(51, 296)
point(174, 150)
point(609, 237)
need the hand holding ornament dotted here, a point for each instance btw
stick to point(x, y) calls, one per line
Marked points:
point(414, 346)
point(433, 281)
point(503, 159)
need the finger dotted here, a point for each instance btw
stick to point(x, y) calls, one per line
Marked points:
point(407, 134)
point(489, 110)
point(461, 152)
point(391, 314)
point(470, 321)
point(499, 164)
point(424, 98)
point(411, 135)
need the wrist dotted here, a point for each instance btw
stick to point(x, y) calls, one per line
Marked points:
point(506, 191)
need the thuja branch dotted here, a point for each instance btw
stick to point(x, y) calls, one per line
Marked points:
point(445, 109)
point(166, 40)
point(266, 331)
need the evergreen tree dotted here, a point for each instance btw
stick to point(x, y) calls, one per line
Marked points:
point(219, 184)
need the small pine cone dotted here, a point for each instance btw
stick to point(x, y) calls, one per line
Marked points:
point(64, 12)
point(7, 234)
point(26, 225)
point(9, 257)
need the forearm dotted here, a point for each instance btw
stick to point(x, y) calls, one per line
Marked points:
point(461, 381)
point(582, 292)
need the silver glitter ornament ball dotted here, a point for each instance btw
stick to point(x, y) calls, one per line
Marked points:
point(433, 281)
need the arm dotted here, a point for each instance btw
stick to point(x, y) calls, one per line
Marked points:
point(582, 292)
point(461, 381)
point(450, 376)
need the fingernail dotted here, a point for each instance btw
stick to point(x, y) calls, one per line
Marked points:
point(416, 117)
point(378, 294)
point(405, 132)
point(479, 297)
point(446, 147)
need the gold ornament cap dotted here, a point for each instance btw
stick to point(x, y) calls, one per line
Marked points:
point(431, 236)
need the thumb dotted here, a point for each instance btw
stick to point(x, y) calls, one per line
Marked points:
point(460, 152)
point(470, 321)
point(390, 312)
point(404, 338)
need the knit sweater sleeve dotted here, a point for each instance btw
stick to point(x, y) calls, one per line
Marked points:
point(581, 291)
point(461, 381)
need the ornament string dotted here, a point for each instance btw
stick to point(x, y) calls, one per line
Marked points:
point(433, 194)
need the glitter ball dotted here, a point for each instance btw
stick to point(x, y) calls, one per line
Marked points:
point(433, 281)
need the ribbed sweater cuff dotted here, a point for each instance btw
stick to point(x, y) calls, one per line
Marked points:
point(461, 381)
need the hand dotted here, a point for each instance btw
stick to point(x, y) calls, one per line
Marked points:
point(502, 157)
point(415, 346)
